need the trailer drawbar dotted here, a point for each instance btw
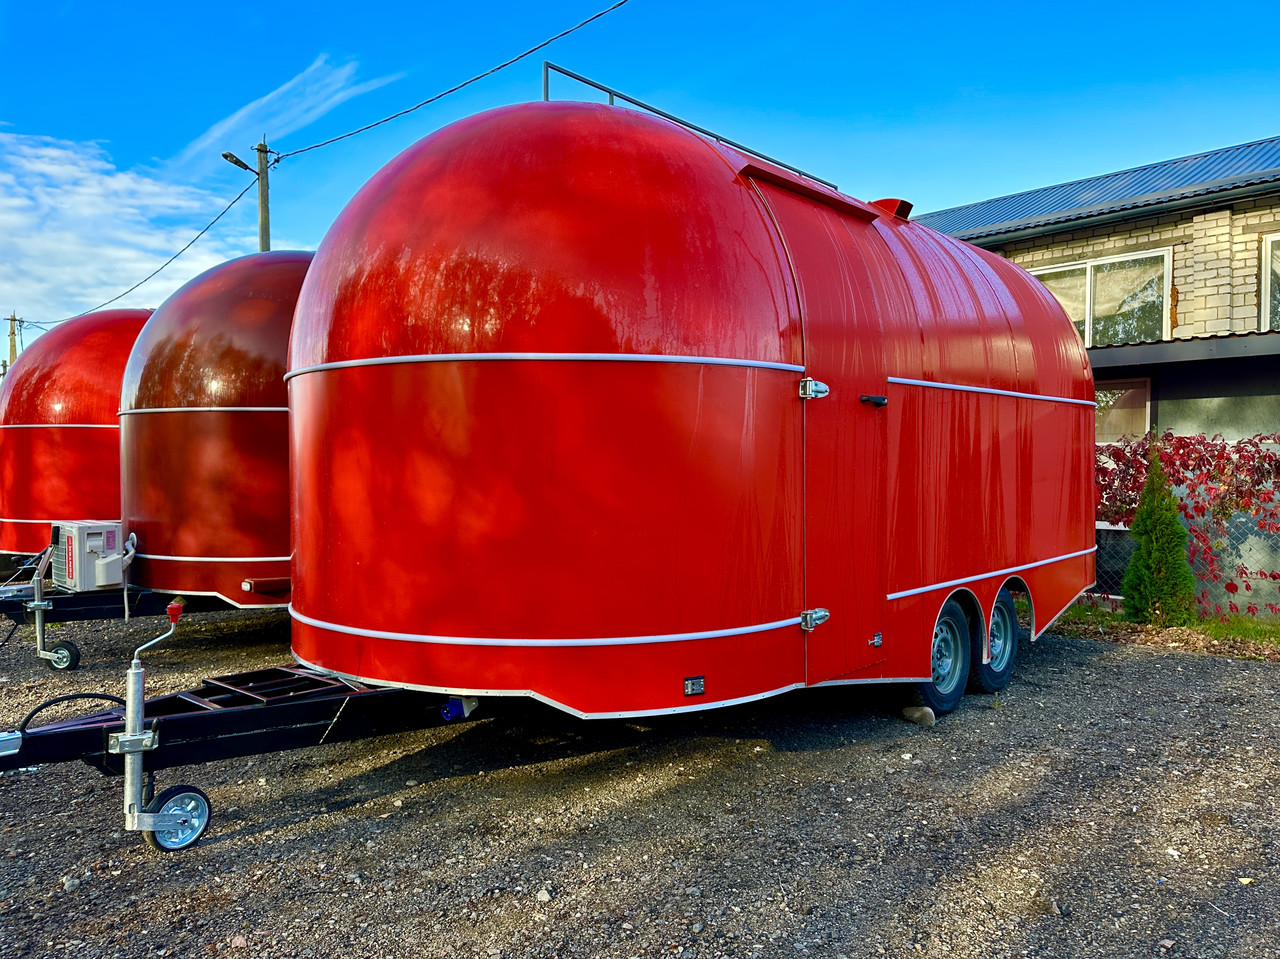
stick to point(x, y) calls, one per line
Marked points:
point(245, 714)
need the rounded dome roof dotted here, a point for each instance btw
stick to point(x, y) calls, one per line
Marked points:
point(551, 227)
point(220, 340)
point(71, 375)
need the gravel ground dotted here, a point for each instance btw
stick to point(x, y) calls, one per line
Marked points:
point(1116, 800)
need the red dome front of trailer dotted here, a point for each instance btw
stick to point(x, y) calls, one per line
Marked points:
point(544, 425)
point(204, 434)
point(59, 439)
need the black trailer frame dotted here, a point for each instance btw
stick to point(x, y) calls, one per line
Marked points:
point(245, 714)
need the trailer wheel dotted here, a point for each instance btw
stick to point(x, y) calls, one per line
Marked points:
point(949, 661)
point(66, 655)
point(179, 801)
point(994, 676)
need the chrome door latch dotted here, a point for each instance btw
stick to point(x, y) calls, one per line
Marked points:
point(811, 619)
point(811, 389)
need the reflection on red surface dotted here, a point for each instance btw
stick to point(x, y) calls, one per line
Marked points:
point(571, 523)
point(59, 442)
point(204, 431)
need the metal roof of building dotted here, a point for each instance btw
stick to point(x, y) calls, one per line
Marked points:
point(1212, 346)
point(1244, 169)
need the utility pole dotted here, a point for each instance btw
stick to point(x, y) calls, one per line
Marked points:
point(13, 337)
point(264, 213)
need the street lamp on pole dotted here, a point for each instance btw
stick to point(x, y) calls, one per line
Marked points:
point(264, 215)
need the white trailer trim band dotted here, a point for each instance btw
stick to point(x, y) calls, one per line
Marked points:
point(208, 409)
point(487, 641)
point(59, 521)
point(555, 357)
point(216, 559)
point(999, 572)
point(59, 426)
point(993, 392)
point(624, 714)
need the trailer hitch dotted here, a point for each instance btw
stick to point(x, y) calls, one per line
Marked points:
point(263, 711)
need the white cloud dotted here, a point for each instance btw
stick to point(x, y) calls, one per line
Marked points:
point(75, 230)
point(288, 108)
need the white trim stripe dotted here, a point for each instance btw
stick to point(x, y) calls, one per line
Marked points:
point(216, 559)
point(872, 682)
point(208, 409)
point(59, 426)
point(902, 381)
point(547, 357)
point(999, 572)
point(489, 641)
point(214, 593)
point(59, 521)
point(624, 714)
point(1058, 615)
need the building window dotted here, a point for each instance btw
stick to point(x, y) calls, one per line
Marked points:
point(1271, 282)
point(1118, 299)
point(1124, 409)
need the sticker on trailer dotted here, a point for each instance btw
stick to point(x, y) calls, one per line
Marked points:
point(71, 561)
point(110, 541)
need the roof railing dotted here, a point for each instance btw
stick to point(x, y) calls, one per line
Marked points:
point(548, 67)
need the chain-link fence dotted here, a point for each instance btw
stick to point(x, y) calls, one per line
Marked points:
point(1239, 543)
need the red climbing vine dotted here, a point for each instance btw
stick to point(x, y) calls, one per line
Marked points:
point(1218, 483)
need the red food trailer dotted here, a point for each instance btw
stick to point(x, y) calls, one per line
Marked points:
point(59, 439)
point(204, 435)
point(609, 414)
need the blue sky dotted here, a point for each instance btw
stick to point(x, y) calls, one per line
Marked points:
point(113, 117)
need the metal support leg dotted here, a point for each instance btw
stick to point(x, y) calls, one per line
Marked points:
point(39, 605)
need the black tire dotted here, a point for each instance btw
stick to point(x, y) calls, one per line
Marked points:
point(180, 800)
point(948, 661)
point(994, 676)
point(66, 656)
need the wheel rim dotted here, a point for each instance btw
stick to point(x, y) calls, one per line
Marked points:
point(197, 811)
point(61, 657)
point(947, 640)
point(1001, 639)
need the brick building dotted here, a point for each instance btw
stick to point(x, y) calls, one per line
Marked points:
point(1171, 273)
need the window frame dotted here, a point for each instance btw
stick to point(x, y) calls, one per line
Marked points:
point(1146, 381)
point(1269, 247)
point(1131, 381)
point(1166, 324)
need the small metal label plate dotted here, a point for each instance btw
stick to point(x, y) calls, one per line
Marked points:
point(695, 685)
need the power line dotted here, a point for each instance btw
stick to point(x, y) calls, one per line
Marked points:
point(315, 146)
point(190, 244)
point(455, 89)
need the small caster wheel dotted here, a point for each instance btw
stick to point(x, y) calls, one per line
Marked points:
point(187, 802)
point(66, 655)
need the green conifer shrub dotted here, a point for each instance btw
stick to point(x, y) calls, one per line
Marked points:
point(1159, 587)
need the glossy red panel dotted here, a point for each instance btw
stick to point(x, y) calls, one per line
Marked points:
point(980, 463)
point(204, 431)
point(207, 483)
point(542, 500)
point(59, 442)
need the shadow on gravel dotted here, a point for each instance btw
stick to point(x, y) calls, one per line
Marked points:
point(515, 736)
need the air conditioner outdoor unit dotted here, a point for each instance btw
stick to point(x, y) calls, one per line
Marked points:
point(87, 556)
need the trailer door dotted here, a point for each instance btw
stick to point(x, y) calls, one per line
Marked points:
point(845, 429)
